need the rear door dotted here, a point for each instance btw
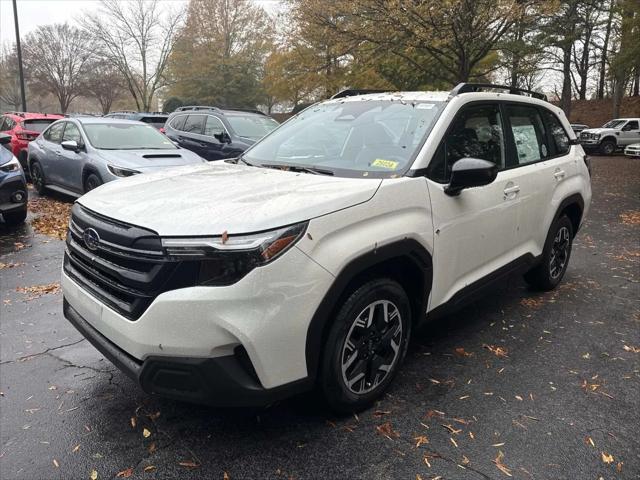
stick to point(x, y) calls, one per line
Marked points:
point(51, 151)
point(541, 159)
point(190, 136)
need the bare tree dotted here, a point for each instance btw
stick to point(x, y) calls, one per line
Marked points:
point(105, 84)
point(56, 60)
point(137, 39)
point(9, 82)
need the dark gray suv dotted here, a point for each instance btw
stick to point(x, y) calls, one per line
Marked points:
point(216, 134)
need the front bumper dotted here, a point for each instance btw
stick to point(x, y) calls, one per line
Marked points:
point(632, 152)
point(12, 184)
point(222, 381)
point(267, 313)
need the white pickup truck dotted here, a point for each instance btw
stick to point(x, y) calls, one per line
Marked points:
point(613, 135)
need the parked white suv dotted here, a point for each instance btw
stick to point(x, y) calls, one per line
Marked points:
point(309, 261)
point(613, 135)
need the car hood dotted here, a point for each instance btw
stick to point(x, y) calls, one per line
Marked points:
point(597, 130)
point(221, 197)
point(150, 160)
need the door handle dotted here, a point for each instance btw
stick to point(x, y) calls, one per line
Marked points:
point(559, 174)
point(511, 191)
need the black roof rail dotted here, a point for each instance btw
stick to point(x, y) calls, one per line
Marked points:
point(477, 87)
point(247, 110)
point(353, 92)
point(196, 107)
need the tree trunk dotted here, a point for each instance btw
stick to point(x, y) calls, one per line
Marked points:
point(636, 85)
point(565, 99)
point(618, 93)
point(605, 48)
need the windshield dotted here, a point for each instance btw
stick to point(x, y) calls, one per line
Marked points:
point(126, 136)
point(252, 126)
point(38, 125)
point(613, 124)
point(352, 138)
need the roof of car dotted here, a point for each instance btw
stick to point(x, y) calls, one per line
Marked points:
point(106, 120)
point(32, 115)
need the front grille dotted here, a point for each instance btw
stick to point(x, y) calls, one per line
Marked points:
point(128, 269)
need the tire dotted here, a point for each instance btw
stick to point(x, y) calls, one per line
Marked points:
point(608, 147)
point(37, 177)
point(24, 162)
point(15, 218)
point(92, 181)
point(351, 383)
point(555, 256)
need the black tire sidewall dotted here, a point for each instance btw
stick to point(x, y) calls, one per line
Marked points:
point(603, 147)
point(335, 391)
point(546, 258)
point(98, 182)
point(35, 166)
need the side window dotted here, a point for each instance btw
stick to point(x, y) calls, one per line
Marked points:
point(476, 132)
point(8, 124)
point(213, 127)
point(54, 133)
point(2, 124)
point(557, 133)
point(71, 132)
point(631, 125)
point(178, 122)
point(528, 134)
point(194, 124)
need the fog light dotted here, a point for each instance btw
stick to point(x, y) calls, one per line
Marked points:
point(19, 197)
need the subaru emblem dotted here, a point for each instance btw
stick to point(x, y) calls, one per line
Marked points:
point(91, 239)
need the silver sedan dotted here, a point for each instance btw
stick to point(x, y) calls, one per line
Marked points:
point(75, 155)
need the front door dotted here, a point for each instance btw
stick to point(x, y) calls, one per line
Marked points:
point(474, 232)
point(630, 133)
point(70, 163)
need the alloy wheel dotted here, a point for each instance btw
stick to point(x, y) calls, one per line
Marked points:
point(372, 347)
point(559, 252)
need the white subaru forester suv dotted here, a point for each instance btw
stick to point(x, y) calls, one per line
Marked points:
point(308, 262)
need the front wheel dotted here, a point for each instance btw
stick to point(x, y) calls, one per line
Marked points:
point(608, 147)
point(555, 256)
point(92, 181)
point(366, 345)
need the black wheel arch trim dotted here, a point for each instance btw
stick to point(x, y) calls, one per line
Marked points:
point(575, 199)
point(406, 250)
point(88, 170)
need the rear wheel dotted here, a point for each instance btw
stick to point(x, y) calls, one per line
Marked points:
point(608, 147)
point(555, 257)
point(366, 345)
point(92, 181)
point(37, 177)
point(15, 218)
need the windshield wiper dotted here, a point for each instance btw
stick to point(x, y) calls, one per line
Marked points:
point(298, 168)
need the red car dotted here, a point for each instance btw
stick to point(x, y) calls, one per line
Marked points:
point(24, 127)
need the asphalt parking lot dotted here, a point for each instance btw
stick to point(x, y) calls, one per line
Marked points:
point(520, 384)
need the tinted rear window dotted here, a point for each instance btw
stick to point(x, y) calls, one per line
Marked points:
point(157, 122)
point(38, 125)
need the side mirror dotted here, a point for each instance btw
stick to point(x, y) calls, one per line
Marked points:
point(223, 137)
point(71, 145)
point(470, 172)
point(4, 139)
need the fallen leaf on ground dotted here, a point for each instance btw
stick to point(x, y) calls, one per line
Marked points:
point(497, 351)
point(606, 458)
point(387, 431)
point(36, 291)
point(133, 422)
point(589, 440)
point(9, 265)
point(94, 475)
point(125, 473)
point(51, 216)
point(421, 440)
point(146, 433)
point(149, 468)
point(630, 218)
point(501, 466)
point(55, 462)
point(225, 476)
point(189, 464)
point(627, 348)
point(460, 351)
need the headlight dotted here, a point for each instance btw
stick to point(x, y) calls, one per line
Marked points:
point(596, 136)
point(122, 172)
point(11, 166)
point(224, 260)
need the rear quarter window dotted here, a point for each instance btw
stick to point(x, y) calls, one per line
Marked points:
point(177, 122)
point(559, 138)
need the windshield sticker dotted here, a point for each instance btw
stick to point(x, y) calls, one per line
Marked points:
point(425, 106)
point(388, 164)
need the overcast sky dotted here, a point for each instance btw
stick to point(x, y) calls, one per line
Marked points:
point(32, 13)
